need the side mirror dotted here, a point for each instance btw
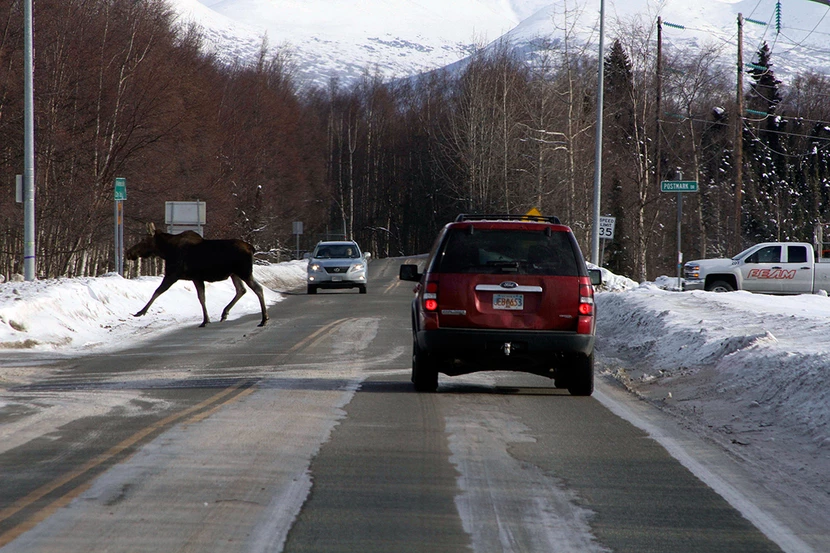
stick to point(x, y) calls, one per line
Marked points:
point(367, 256)
point(307, 255)
point(596, 276)
point(409, 272)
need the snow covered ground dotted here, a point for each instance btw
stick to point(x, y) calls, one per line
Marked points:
point(748, 373)
point(80, 314)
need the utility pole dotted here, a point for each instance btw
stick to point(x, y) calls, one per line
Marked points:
point(598, 147)
point(739, 136)
point(658, 170)
point(29, 269)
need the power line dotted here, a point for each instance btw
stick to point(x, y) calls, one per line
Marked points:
point(781, 38)
point(678, 118)
point(785, 154)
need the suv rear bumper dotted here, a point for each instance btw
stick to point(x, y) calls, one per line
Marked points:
point(489, 346)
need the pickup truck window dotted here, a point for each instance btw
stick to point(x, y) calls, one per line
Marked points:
point(796, 254)
point(770, 254)
point(742, 254)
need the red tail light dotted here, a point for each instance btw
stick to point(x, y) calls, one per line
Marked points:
point(586, 307)
point(431, 296)
point(586, 299)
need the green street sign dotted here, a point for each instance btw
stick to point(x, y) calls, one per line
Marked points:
point(678, 186)
point(120, 189)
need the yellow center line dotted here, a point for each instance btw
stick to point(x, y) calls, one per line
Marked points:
point(43, 514)
point(306, 341)
point(46, 489)
point(65, 499)
point(205, 414)
point(394, 284)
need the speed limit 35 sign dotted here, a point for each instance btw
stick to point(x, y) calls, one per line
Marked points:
point(606, 227)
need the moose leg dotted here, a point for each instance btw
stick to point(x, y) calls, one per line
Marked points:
point(240, 291)
point(257, 288)
point(200, 293)
point(165, 285)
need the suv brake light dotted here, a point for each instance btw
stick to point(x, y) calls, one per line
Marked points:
point(431, 296)
point(586, 307)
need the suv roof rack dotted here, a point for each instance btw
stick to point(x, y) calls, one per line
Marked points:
point(505, 217)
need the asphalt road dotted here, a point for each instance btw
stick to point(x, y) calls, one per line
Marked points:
point(306, 435)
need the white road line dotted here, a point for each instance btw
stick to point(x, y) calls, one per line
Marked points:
point(715, 471)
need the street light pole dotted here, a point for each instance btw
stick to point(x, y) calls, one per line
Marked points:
point(29, 272)
point(598, 149)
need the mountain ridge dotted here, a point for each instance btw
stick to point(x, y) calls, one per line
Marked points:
point(345, 39)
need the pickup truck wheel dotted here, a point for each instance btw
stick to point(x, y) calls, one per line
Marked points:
point(720, 286)
point(424, 373)
point(581, 379)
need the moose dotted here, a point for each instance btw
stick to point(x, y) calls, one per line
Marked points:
point(188, 256)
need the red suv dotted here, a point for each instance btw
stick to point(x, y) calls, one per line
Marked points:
point(502, 292)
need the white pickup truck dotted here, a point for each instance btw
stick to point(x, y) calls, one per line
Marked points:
point(770, 268)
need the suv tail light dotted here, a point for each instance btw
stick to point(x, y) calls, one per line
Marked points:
point(585, 324)
point(431, 296)
point(430, 302)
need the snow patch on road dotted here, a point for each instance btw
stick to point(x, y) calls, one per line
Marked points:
point(541, 515)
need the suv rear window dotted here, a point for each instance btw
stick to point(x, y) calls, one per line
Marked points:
point(496, 251)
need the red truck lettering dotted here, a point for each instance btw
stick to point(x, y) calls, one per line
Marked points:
point(779, 274)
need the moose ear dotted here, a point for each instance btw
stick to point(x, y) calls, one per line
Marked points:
point(151, 228)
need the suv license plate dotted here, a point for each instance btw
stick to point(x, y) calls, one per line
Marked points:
point(512, 302)
point(337, 278)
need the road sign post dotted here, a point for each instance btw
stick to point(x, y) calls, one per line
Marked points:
point(606, 233)
point(679, 186)
point(298, 230)
point(120, 195)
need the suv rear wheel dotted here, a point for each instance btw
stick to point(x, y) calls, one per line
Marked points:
point(581, 379)
point(424, 373)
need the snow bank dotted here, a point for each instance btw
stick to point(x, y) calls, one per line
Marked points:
point(82, 313)
point(751, 370)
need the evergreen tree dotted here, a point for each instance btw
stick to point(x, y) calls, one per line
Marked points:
point(767, 188)
point(619, 84)
point(765, 90)
point(620, 186)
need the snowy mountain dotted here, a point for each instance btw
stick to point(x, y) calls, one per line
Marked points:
point(397, 38)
